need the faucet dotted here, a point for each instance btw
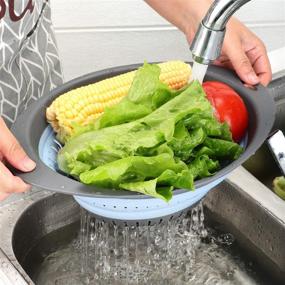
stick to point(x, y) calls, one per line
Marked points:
point(207, 43)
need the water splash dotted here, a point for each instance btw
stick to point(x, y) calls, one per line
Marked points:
point(139, 254)
point(142, 254)
point(180, 251)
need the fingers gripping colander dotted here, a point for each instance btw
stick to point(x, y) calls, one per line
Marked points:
point(38, 139)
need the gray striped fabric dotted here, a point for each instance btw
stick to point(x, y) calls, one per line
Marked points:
point(29, 63)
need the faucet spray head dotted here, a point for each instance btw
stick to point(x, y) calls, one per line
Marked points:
point(207, 44)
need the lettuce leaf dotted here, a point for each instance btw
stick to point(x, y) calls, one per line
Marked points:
point(131, 169)
point(136, 173)
point(203, 166)
point(211, 126)
point(149, 188)
point(146, 94)
point(183, 179)
point(183, 146)
point(220, 149)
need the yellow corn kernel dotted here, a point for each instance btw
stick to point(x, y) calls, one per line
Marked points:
point(85, 104)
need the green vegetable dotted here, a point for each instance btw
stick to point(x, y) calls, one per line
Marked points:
point(150, 188)
point(105, 145)
point(210, 125)
point(146, 94)
point(153, 141)
point(220, 149)
point(279, 186)
point(131, 169)
point(184, 145)
point(203, 166)
point(183, 179)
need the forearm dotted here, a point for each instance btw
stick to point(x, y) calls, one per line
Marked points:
point(184, 14)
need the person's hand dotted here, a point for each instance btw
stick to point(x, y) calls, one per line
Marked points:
point(242, 51)
point(12, 153)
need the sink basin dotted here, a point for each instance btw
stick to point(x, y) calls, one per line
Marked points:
point(262, 165)
point(38, 225)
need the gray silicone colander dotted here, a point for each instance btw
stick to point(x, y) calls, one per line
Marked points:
point(33, 132)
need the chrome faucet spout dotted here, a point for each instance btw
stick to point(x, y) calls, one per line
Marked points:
point(207, 43)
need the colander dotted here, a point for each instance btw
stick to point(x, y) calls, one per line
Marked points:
point(120, 206)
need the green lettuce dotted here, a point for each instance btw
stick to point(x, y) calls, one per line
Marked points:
point(220, 149)
point(122, 172)
point(146, 94)
point(132, 168)
point(153, 141)
point(211, 126)
point(150, 188)
point(108, 144)
point(183, 146)
point(203, 166)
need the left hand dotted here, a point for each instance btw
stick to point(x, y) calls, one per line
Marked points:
point(12, 153)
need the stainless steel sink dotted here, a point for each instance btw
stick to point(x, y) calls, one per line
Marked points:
point(26, 223)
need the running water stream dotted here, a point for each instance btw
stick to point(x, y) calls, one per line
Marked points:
point(180, 251)
point(116, 254)
point(199, 71)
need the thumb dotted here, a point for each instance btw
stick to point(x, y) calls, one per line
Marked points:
point(242, 65)
point(12, 151)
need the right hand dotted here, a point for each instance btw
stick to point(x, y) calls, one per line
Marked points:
point(12, 153)
point(242, 51)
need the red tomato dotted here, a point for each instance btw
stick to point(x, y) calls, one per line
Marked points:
point(229, 107)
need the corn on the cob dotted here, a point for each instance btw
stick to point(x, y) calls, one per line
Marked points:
point(85, 104)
